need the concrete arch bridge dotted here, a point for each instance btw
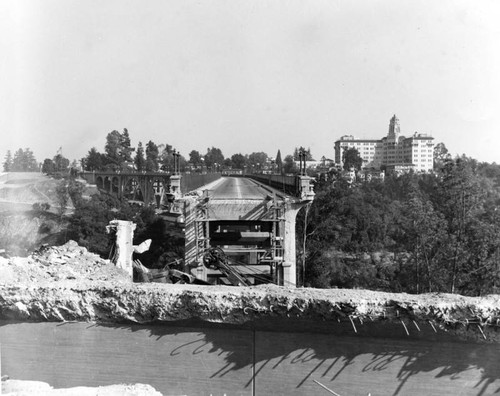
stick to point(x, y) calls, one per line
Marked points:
point(147, 187)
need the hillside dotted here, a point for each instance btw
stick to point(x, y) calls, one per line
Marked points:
point(20, 190)
point(22, 228)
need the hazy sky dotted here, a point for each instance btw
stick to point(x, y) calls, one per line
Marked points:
point(249, 75)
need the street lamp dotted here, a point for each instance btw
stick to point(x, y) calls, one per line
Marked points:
point(302, 161)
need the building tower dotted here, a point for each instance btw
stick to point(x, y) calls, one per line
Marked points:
point(394, 129)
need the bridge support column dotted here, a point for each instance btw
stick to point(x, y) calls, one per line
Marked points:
point(289, 258)
point(124, 247)
point(175, 186)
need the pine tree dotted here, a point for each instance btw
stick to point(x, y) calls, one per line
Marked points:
point(112, 149)
point(94, 160)
point(31, 164)
point(151, 157)
point(125, 148)
point(139, 160)
point(17, 161)
point(279, 162)
point(24, 161)
point(7, 165)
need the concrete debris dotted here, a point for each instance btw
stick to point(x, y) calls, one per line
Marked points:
point(60, 263)
point(24, 388)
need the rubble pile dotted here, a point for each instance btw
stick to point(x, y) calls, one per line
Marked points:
point(12, 387)
point(60, 263)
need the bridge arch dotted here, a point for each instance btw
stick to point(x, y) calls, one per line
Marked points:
point(133, 190)
point(115, 185)
point(107, 184)
point(159, 187)
point(99, 181)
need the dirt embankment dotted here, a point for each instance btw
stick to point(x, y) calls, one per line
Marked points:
point(68, 283)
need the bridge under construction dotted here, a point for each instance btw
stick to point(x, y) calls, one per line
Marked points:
point(249, 221)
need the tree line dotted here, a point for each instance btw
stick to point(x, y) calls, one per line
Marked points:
point(414, 233)
point(120, 155)
point(21, 161)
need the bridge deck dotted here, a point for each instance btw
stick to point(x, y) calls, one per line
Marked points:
point(236, 198)
point(234, 188)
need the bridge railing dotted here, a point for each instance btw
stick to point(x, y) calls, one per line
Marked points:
point(193, 181)
point(91, 176)
point(287, 184)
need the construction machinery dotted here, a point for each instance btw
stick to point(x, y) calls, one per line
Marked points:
point(214, 259)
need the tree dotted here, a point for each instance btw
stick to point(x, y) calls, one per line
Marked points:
point(257, 160)
point(94, 160)
point(482, 271)
point(24, 161)
point(125, 149)
point(17, 161)
point(279, 162)
point(112, 150)
point(31, 162)
point(62, 196)
point(75, 191)
point(195, 159)
point(183, 163)
point(140, 160)
point(88, 222)
point(352, 159)
point(459, 197)
point(289, 165)
point(61, 164)
point(152, 154)
point(166, 157)
point(425, 232)
point(48, 166)
point(214, 158)
point(7, 165)
point(228, 164)
point(238, 161)
point(118, 153)
point(297, 150)
point(440, 155)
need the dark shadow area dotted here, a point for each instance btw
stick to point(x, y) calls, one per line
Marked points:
point(326, 349)
point(291, 359)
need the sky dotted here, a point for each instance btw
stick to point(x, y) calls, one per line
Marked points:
point(248, 76)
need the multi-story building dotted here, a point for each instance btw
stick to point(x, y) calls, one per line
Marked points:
point(393, 152)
